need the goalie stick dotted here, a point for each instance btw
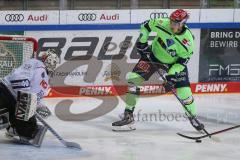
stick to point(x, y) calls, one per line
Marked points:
point(65, 143)
point(211, 134)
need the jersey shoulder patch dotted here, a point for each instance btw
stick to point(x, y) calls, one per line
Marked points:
point(186, 42)
point(145, 22)
point(170, 42)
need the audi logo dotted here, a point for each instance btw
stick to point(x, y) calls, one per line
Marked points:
point(155, 15)
point(14, 17)
point(87, 17)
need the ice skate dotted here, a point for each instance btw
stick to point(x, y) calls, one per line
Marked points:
point(126, 123)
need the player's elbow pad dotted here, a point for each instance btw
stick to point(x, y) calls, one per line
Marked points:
point(182, 61)
point(145, 24)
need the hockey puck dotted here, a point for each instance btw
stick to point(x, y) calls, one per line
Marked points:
point(198, 141)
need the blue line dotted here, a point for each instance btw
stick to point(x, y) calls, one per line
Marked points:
point(214, 25)
point(105, 26)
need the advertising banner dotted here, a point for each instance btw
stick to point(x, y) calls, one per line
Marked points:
point(29, 17)
point(141, 15)
point(94, 16)
point(150, 89)
point(135, 16)
point(219, 55)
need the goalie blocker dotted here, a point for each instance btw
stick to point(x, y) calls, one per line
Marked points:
point(26, 105)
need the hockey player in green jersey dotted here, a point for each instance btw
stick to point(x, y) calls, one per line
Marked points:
point(170, 50)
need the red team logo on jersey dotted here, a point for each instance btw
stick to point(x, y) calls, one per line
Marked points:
point(185, 42)
point(143, 66)
point(44, 84)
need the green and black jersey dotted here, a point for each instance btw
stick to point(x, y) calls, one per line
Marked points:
point(169, 48)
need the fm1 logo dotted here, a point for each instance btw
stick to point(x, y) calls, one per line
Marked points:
point(220, 70)
point(88, 50)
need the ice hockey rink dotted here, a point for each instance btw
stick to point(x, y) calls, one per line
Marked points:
point(154, 138)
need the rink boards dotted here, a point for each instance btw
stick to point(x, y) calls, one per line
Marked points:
point(97, 48)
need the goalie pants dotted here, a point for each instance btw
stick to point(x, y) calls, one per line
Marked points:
point(143, 70)
point(23, 128)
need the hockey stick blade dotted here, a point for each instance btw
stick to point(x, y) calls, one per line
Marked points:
point(65, 143)
point(211, 134)
point(72, 145)
point(216, 139)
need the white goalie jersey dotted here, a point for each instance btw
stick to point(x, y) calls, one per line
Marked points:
point(31, 76)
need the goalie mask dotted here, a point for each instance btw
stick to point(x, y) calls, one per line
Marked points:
point(50, 60)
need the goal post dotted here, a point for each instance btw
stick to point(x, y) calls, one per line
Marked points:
point(14, 50)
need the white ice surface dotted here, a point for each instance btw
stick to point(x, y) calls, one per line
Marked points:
point(153, 140)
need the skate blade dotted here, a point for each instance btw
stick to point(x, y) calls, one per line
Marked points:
point(16, 139)
point(125, 128)
point(3, 126)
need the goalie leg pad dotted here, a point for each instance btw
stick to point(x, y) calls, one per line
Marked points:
point(26, 105)
point(39, 136)
point(4, 118)
point(26, 128)
point(36, 140)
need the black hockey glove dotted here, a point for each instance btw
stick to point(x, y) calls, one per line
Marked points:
point(170, 84)
point(172, 79)
point(43, 111)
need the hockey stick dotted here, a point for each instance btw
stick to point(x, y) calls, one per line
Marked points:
point(65, 143)
point(213, 133)
point(183, 105)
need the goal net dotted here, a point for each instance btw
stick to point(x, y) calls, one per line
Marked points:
point(14, 50)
